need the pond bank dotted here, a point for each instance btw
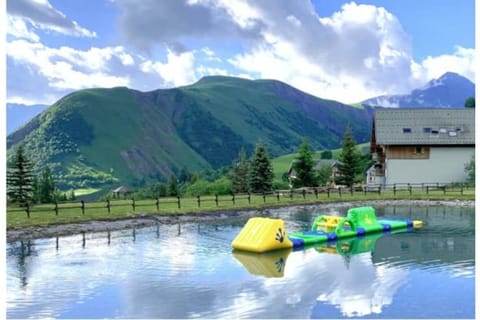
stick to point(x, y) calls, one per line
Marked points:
point(148, 220)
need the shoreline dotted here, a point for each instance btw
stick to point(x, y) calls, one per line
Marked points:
point(31, 233)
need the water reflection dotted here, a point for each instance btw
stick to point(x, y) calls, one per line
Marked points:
point(189, 271)
point(356, 286)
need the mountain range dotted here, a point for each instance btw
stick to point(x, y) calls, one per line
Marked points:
point(98, 137)
point(449, 91)
point(104, 137)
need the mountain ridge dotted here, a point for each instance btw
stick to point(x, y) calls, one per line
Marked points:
point(100, 137)
point(448, 91)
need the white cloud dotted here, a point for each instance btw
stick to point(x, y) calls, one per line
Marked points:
point(462, 61)
point(177, 71)
point(40, 14)
point(19, 29)
point(68, 68)
point(36, 71)
point(359, 52)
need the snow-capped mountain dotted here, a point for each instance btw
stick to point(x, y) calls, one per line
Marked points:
point(449, 91)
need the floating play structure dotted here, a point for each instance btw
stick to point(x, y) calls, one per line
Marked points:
point(272, 264)
point(261, 235)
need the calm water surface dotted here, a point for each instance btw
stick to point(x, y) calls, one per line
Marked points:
point(189, 271)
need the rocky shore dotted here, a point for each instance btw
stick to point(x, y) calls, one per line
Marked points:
point(148, 220)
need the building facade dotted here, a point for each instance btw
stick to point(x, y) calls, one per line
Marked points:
point(421, 145)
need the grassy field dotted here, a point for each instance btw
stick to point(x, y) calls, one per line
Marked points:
point(42, 215)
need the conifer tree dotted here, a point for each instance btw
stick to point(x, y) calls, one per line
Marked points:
point(20, 179)
point(172, 186)
point(349, 160)
point(239, 174)
point(303, 166)
point(46, 186)
point(261, 172)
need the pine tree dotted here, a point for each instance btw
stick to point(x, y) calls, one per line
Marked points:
point(303, 166)
point(349, 160)
point(172, 186)
point(261, 172)
point(20, 179)
point(46, 186)
point(239, 174)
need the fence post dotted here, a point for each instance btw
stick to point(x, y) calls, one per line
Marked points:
point(278, 195)
point(340, 192)
point(461, 188)
point(249, 198)
point(351, 190)
point(178, 201)
point(263, 194)
point(108, 205)
point(316, 192)
point(328, 192)
point(28, 210)
point(216, 199)
point(198, 200)
point(427, 190)
point(233, 198)
point(56, 208)
point(394, 189)
point(303, 193)
point(291, 193)
point(133, 204)
point(379, 189)
point(410, 188)
point(157, 204)
point(82, 206)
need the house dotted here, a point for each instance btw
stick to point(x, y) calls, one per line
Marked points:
point(421, 145)
point(292, 175)
point(122, 190)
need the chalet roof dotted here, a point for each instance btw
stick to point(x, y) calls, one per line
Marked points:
point(325, 162)
point(318, 164)
point(424, 126)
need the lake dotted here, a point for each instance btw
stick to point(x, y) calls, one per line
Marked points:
point(190, 271)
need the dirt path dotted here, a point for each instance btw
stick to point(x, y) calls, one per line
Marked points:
point(144, 221)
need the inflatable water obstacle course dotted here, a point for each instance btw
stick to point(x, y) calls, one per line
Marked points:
point(272, 264)
point(266, 234)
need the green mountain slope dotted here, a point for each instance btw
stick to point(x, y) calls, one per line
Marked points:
point(101, 137)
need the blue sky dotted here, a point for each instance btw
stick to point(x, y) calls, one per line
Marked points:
point(343, 50)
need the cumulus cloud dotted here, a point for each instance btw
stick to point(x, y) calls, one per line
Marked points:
point(41, 14)
point(37, 70)
point(462, 61)
point(145, 24)
point(40, 74)
point(357, 53)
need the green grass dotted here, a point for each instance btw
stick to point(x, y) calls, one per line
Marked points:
point(357, 105)
point(43, 215)
point(85, 191)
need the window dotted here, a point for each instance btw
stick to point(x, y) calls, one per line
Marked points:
point(427, 130)
point(418, 150)
point(452, 133)
point(443, 130)
point(434, 131)
point(407, 130)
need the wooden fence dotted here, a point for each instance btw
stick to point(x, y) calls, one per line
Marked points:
point(313, 193)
